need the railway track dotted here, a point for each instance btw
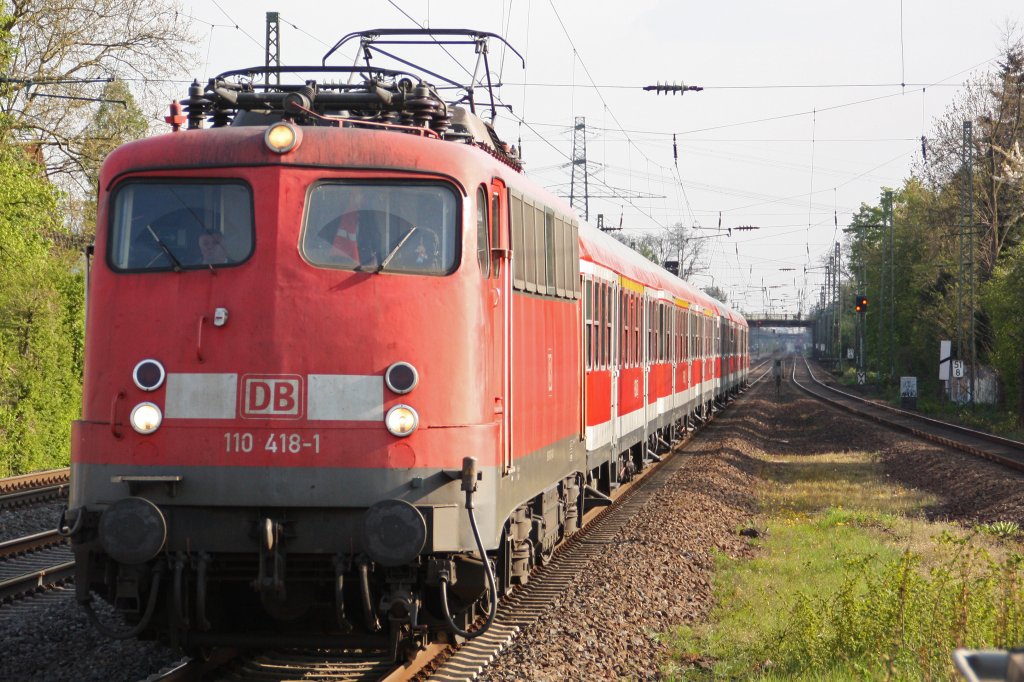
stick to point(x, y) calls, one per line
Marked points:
point(29, 489)
point(34, 563)
point(337, 665)
point(1009, 453)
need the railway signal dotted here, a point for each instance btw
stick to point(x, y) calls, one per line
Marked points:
point(862, 304)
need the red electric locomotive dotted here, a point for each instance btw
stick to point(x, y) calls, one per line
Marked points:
point(350, 374)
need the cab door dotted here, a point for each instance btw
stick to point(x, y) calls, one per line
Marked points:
point(501, 281)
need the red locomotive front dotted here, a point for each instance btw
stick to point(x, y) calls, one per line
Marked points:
point(267, 329)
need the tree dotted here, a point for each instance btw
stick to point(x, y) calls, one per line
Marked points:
point(41, 316)
point(63, 53)
point(994, 103)
point(716, 293)
point(1002, 298)
point(674, 243)
point(113, 124)
point(40, 321)
point(117, 120)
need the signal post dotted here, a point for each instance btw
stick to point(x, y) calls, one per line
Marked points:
point(861, 308)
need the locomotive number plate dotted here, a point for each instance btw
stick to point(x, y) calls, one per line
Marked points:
point(277, 443)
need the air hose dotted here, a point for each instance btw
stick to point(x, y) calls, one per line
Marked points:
point(110, 632)
point(469, 485)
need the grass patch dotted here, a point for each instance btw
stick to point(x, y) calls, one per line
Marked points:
point(851, 583)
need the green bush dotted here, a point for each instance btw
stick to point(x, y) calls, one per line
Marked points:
point(894, 620)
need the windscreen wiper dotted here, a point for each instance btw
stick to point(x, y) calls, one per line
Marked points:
point(387, 259)
point(175, 263)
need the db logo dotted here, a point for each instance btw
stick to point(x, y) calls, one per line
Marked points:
point(271, 396)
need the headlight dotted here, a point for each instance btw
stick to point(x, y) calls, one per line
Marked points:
point(149, 375)
point(282, 137)
point(401, 377)
point(401, 420)
point(146, 418)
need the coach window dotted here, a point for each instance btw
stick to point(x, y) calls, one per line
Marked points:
point(606, 318)
point(599, 289)
point(571, 254)
point(694, 337)
point(406, 227)
point(596, 332)
point(623, 326)
point(518, 242)
point(530, 242)
point(180, 225)
point(549, 251)
point(588, 321)
point(663, 333)
point(574, 250)
point(560, 257)
point(680, 336)
point(540, 250)
point(652, 333)
point(483, 251)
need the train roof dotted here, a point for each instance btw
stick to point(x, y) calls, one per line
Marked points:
point(600, 248)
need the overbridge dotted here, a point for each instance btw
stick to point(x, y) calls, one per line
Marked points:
point(784, 320)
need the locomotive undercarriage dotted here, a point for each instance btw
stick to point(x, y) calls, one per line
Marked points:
point(270, 595)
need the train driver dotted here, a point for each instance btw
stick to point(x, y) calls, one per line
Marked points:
point(211, 247)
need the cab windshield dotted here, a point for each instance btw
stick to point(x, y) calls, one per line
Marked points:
point(408, 228)
point(180, 225)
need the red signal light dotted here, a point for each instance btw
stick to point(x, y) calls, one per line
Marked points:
point(862, 304)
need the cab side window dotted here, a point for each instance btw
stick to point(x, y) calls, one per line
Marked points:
point(483, 251)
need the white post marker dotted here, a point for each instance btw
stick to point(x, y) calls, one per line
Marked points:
point(945, 350)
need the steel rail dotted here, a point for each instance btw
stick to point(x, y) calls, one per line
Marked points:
point(35, 581)
point(1011, 456)
point(32, 488)
point(31, 543)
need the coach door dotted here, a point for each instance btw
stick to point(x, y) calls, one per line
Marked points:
point(502, 317)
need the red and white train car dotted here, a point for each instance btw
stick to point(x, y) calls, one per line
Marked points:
point(658, 354)
point(338, 346)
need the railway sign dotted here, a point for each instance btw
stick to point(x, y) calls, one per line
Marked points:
point(849, 354)
point(908, 392)
point(945, 352)
point(958, 368)
point(861, 378)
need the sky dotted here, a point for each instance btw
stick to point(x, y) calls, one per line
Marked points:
point(809, 107)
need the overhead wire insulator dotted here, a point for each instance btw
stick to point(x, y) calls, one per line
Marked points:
point(672, 88)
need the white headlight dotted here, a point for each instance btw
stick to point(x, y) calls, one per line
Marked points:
point(401, 420)
point(282, 137)
point(146, 418)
